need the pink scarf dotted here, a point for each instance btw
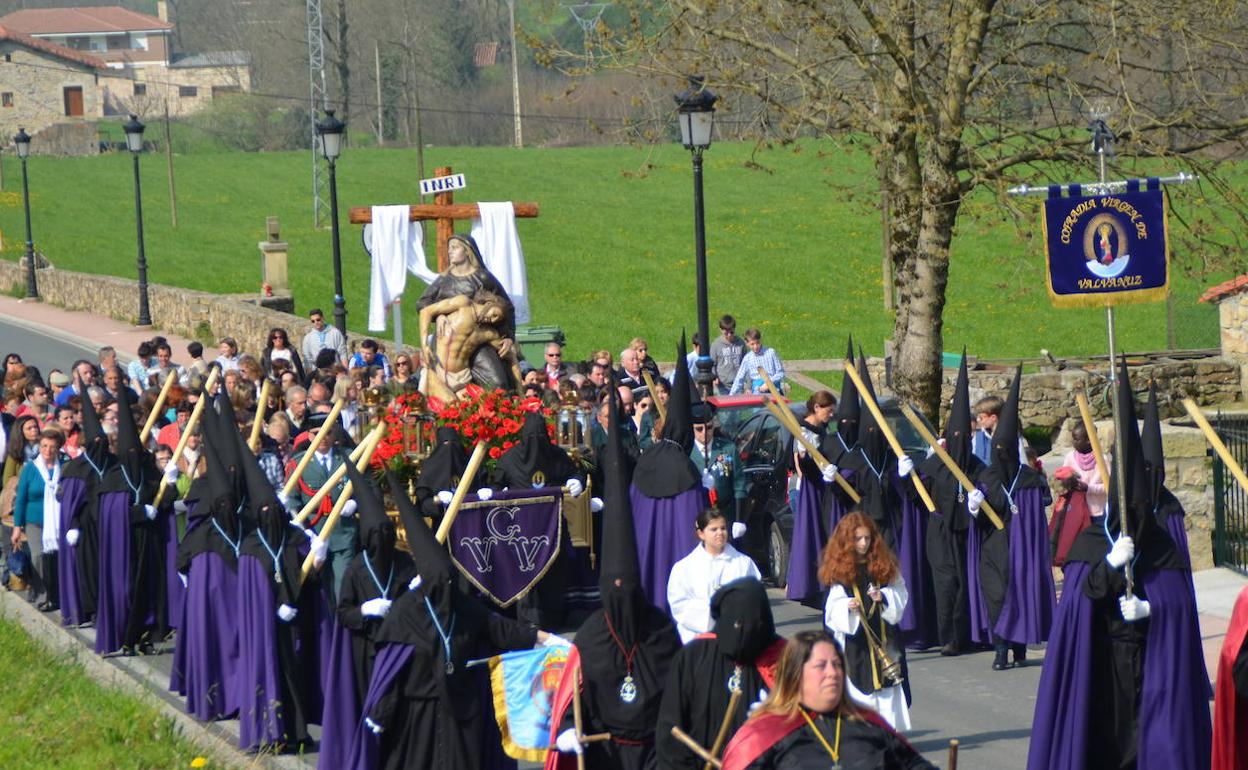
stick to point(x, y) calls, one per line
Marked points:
point(1086, 462)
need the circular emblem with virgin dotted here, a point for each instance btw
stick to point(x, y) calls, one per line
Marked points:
point(1105, 246)
point(539, 479)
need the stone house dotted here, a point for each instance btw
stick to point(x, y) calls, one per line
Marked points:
point(141, 72)
point(1232, 300)
point(42, 83)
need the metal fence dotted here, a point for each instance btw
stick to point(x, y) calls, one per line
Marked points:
point(1230, 502)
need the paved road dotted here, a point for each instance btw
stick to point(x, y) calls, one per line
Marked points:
point(42, 348)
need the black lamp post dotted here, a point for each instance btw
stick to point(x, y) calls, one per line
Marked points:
point(696, 109)
point(134, 142)
point(330, 130)
point(22, 142)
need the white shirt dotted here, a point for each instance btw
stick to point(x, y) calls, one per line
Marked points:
point(888, 702)
point(696, 578)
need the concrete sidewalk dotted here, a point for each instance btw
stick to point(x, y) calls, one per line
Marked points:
point(1216, 591)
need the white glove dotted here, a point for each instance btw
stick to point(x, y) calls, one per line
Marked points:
point(375, 608)
point(574, 487)
point(445, 496)
point(348, 508)
point(376, 728)
point(1122, 552)
point(738, 529)
point(71, 537)
point(595, 504)
point(829, 473)
point(320, 549)
point(149, 512)
point(180, 506)
point(555, 640)
point(567, 742)
point(171, 473)
point(414, 583)
point(708, 481)
point(904, 466)
point(1133, 608)
point(284, 499)
point(287, 613)
point(974, 499)
point(762, 696)
point(183, 577)
point(485, 493)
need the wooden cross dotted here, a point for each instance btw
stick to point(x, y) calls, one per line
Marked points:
point(444, 211)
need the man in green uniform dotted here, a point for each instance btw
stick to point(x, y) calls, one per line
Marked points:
point(716, 459)
point(342, 541)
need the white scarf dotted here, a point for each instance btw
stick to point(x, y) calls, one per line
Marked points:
point(51, 506)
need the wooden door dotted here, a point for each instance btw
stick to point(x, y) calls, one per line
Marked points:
point(73, 101)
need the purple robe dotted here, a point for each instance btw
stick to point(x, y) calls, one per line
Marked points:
point(205, 655)
point(810, 534)
point(175, 593)
point(1027, 612)
point(979, 607)
point(918, 619)
point(1174, 729)
point(113, 612)
point(391, 659)
point(340, 715)
point(665, 535)
point(73, 496)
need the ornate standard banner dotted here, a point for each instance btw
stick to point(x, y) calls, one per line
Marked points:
point(506, 544)
point(1107, 249)
point(524, 682)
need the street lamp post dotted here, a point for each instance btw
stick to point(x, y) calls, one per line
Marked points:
point(696, 109)
point(134, 142)
point(22, 142)
point(330, 130)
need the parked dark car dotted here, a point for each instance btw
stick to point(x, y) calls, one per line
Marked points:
point(765, 450)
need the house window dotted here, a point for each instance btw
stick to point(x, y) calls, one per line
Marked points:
point(6, 99)
point(140, 89)
point(8, 57)
point(188, 91)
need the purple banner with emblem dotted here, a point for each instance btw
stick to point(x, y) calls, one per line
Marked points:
point(506, 544)
point(1107, 249)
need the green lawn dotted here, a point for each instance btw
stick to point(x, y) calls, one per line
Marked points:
point(53, 715)
point(792, 248)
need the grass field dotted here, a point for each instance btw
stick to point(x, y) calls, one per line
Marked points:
point(53, 715)
point(793, 246)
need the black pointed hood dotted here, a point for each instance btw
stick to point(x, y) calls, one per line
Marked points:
point(744, 625)
point(377, 533)
point(1005, 457)
point(94, 440)
point(848, 408)
point(220, 411)
point(619, 539)
point(535, 460)
point(444, 466)
point(664, 468)
point(958, 428)
point(871, 441)
point(130, 451)
point(433, 564)
point(264, 510)
point(678, 425)
point(1151, 444)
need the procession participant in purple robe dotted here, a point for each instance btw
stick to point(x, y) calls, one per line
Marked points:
point(1124, 683)
point(1165, 506)
point(668, 493)
point(132, 612)
point(535, 463)
point(883, 481)
point(949, 524)
point(423, 707)
point(278, 675)
point(79, 551)
point(624, 652)
point(1015, 576)
point(205, 653)
point(378, 575)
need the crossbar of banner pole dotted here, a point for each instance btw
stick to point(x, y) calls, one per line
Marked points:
point(1101, 188)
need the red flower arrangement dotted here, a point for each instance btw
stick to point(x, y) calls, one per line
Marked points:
point(494, 417)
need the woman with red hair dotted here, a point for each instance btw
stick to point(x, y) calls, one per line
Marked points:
point(866, 599)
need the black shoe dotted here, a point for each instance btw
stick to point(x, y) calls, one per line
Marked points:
point(1001, 660)
point(47, 606)
point(951, 649)
point(1020, 655)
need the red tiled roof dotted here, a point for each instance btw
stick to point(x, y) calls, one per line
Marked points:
point(485, 54)
point(1225, 289)
point(64, 21)
point(52, 49)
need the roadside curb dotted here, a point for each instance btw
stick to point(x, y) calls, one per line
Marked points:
point(137, 678)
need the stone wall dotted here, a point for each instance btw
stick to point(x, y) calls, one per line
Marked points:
point(1233, 325)
point(193, 314)
point(37, 91)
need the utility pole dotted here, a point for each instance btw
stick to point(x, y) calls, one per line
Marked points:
point(515, 74)
point(381, 128)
